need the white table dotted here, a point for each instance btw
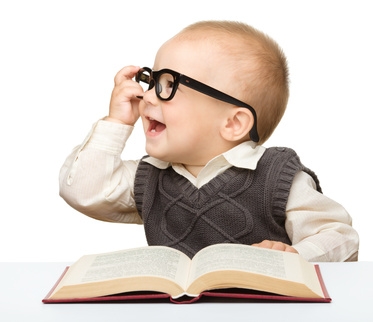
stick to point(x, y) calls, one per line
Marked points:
point(24, 285)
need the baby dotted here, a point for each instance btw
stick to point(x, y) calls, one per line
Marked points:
point(215, 94)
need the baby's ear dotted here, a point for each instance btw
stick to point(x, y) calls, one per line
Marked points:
point(238, 124)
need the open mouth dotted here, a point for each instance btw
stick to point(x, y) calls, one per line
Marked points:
point(155, 126)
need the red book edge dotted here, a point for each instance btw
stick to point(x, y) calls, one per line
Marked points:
point(186, 300)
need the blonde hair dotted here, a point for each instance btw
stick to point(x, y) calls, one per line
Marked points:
point(258, 65)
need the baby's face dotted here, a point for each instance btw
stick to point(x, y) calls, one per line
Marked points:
point(186, 129)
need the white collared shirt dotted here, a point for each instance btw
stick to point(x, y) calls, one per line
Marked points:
point(246, 155)
point(97, 182)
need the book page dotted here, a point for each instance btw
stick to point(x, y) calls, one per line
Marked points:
point(145, 261)
point(237, 265)
point(240, 257)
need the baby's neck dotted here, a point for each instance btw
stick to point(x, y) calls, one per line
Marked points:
point(194, 169)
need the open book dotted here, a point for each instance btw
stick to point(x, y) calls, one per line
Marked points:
point(225, 270)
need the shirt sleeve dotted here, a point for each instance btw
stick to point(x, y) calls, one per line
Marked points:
point(96, 181)
point(320, 229)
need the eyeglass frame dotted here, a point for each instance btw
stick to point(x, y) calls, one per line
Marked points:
point(152, 80)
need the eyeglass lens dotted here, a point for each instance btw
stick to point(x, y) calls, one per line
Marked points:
point(164, 83)
point(143, 78)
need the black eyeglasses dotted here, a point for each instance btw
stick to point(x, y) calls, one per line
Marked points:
point(166, 82)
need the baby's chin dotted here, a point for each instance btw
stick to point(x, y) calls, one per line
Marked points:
point(155, 153)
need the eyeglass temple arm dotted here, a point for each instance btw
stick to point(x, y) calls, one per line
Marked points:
point(210, 91)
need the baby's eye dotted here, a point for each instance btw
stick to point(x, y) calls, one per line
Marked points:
point(170, 84)
point(168, 88)
point(166, 85)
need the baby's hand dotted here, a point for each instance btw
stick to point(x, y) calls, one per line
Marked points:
point(275, 245)
point(124, 104)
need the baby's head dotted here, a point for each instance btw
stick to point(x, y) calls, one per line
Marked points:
point(245, 63)
point(239, 71)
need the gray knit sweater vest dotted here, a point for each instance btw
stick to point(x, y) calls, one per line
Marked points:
point(238, 206)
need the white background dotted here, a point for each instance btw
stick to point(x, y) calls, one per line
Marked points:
point(57, 64)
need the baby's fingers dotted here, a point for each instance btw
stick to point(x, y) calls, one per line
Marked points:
point(270, 244)
point(126, 73)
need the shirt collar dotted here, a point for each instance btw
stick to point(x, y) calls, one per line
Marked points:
point(245, 155)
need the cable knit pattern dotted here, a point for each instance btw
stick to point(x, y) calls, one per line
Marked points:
point(237, 206)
